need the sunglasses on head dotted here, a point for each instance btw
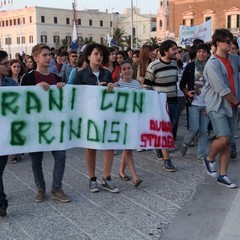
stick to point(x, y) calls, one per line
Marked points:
point(228, 41)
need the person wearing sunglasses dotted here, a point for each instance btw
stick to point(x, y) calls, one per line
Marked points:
point(67, 67)
point(222, 103)
point(4, 82)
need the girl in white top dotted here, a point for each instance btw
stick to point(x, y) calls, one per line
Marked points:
point(126, 81)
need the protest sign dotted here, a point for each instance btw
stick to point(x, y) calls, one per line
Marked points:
point(202, 31)
point(82, 116)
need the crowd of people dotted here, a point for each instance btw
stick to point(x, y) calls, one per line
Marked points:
point(204, 80)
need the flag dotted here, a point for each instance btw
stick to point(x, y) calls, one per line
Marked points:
point(110, 40)
point(74, 44)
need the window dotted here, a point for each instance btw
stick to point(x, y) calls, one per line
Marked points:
point(68, 21)
point(30, 19)
point(111, 24)
point(79, 21)
point(30, 39)
point(15, 22)
point(18, 21)
point(69, 39)
point(160, 24)
point(56, 39)
point(42, 19)
point(3, 23)
point(18, 40)
point(238, 21)
point(233, 19)
point(101, 40)
point(6, 23)
point(23, 40)
point(11, 22)
point(101, 23)
point(44, 39)
point(8, 41)
point(55, 20)
point(90, 22)
point(23, 20)
point(188, 18)
point(229, 21)
point(207, 18)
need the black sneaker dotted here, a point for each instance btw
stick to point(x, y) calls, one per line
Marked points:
point(168, 166)
point(93, 187)
point(183, 150)
point(210, 167)
point(3, 210)
point(233, 154)
point(108, 185)
point(158, 153)
point(225, 181)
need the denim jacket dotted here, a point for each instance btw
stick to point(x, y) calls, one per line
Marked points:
point(217, 84)
point(86, 76)
point(7, 82)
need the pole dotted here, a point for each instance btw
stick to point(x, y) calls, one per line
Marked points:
point(131, 24)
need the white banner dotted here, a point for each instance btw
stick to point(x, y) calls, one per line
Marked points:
point(188, 33)
point(82, 116)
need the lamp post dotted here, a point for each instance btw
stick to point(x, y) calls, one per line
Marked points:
point(131, 24)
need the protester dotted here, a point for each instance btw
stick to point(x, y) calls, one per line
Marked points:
point(15, 72)
point(94, 74)
point(222, 94)
point(192, 84)
point(68, 66)
point(42, 77)
point(145, 57)
point(31, 64)
point(4, 82)
point(81, 64)
point(112, 65)
point(127, 158)
point(161, 75)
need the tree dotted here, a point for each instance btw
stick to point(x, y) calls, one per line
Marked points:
point(153, 40)
point(118, 34)
point(136, 42)
point(65, 43)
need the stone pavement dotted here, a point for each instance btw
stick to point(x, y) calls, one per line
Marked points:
point(186, 204)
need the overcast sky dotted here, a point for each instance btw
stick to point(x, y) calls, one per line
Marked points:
point(146, 6)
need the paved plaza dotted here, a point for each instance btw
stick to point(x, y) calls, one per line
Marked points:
point(186, 204)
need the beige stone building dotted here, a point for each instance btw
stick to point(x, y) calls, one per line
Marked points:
point(144, 25)
point(21, 29)
point(173, 13)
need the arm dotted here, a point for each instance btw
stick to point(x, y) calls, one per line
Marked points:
point(72, 76)
point(149, 78)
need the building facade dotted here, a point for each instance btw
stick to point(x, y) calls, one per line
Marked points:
point(224, 14)
point(21, 29)
point(144, 26)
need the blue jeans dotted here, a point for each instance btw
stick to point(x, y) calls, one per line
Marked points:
point(3, 163)
point(173, 114)
point(180, 106)
point(58, 171)
point(198, 121)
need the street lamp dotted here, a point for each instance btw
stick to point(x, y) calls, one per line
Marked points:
point(131, 24)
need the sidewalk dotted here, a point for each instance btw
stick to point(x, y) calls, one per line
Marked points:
point(186, 204)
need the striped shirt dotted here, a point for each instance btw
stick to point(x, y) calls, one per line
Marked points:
point(162, 77)
point(133, 84)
